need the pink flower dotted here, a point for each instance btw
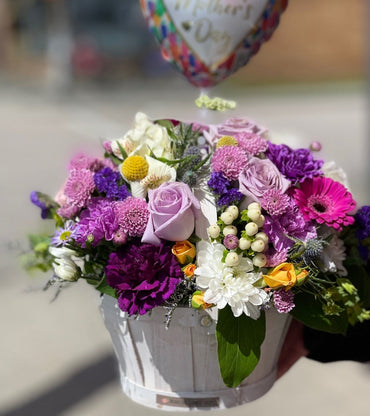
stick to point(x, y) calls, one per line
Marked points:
point(83, 161)
point(230, 161)
point(79, 187)
point(325, 201)
point(258, 177)
point(132, 216)
point(252, 143)
point(173, 209)
point(232, 127)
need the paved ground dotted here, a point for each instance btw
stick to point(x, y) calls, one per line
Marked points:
point(56, 358)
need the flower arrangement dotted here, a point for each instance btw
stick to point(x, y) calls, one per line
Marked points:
point(212, 217)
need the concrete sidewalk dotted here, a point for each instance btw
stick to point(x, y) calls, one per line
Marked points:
point(57, 357)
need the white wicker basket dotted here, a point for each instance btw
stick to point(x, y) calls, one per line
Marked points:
point(177, 369)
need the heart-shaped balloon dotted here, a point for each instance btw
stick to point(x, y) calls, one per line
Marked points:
point(208, 40)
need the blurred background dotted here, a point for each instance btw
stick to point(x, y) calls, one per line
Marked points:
point(74, 72)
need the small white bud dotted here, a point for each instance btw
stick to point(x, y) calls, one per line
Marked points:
point(66, 269)
point(227, 217)
point(258, 245)
point(259, 260)
point(251, 228)
point(214, 231)
point(234, 210)
point(230, 229)
point(254, 205)
point(244, 243)
point(232, 259)
point(254, 214)
point(263, 236)
point(260, 221)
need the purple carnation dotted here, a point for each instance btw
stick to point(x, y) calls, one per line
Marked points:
point(232, 197)
point(218, 183)
point(106, 181)
point(290, 223)
point(98, 222)
point(283, 300)
point(295, 164)
point(144, 276)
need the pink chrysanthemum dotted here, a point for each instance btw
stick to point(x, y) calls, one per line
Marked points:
point(231, 241)
point(230, 161)
point(274, 258)
point(283, 300)
point(133, 216)
point(83, 161)
point(275, 202)
point(325, 201)
point(79, 187)
point(252, 143)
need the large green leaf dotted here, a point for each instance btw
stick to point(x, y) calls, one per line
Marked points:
point(309, 311)
point(239, 345)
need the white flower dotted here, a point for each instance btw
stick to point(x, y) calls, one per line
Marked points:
point(333, 256)
point(62, 252)
point(225, 285)
point(145, 136)
point(333, 171)
point(65, 268)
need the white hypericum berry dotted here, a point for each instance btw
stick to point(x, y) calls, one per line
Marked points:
point(258, 245)
point(227, 218)
point(244, 243)
point(259, 260)
point(263, 236)
point(234, 211)
point(254, 214)
point(214, 231)
point(232, 259)
point(254, 205)
point(260, 221)
point(230, 229)
point(251, 228)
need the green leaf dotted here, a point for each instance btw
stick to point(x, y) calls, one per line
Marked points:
point(239, 345)
point(309, 311)
point(165, 123)
point(122, 150)
point(103, 287)
point(361, 279)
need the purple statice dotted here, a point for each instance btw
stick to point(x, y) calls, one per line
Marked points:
point(295, 164)
point(107, 182)
point(38, 199)
point(231, 197)
point(289, 224)
point(98, 222)
point(362, 218)
point(283, 300)
point(275, 202)
point(218, 183)
point(63, 235)
point(144, 275)
point(79, 187)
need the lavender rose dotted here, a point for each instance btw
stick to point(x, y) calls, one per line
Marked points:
point(173, 209)
point(259, 176)
point(232, 127)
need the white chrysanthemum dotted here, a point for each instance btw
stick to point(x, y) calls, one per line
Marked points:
point(333, 171)
point(225, 285)
point(334, 255)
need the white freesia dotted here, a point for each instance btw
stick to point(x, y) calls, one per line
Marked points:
point(145, 136)
point(65, 268)
point(225, 285)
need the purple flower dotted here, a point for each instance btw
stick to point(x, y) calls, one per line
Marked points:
point(83, 161)
point(290, 223)
point(98, 222)
point(173, 208)
point(231, 197)
point(274, 258)
point(362, 218)
point(258, 177)
point(64, 234)
point(106, 181)
point(79, 187)
point(283, 300)
point(133, 216)
point(218, 183)
point(231, 241)
point(275, 202)
point(37, 198)
point(230, 161)
point(297, 165)
point(144, 276)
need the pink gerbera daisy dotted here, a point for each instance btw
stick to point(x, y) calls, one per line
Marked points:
point(230, 161)
point(133, 216)
point(325, 201)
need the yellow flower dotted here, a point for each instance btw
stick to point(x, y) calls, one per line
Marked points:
point(284, 275)
point(226, 141)
point(134, 168)
point(189, 270)
point(184, 251)
point(198, 302)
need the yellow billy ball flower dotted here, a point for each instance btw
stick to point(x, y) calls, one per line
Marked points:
point(134, 168)
point(226, 141)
